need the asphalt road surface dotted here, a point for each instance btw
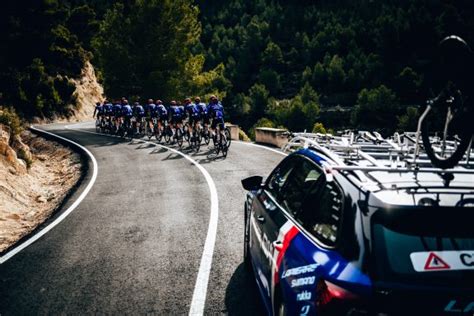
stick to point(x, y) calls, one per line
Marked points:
point(134, 244)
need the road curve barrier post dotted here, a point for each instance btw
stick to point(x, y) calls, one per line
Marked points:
point(272, 136)
point(234, 131)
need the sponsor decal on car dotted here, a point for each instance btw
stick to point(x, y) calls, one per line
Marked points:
point(442, 260)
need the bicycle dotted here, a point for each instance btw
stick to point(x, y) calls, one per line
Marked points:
point(97, 125)
point(195, 138)
point(151, 128)
point(222, 141)
point(206, 134)
point(446, 126)
point(178, 136)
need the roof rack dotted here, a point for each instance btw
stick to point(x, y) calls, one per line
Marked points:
point(363, 152)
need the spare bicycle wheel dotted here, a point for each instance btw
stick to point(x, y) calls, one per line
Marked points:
point(446, 153)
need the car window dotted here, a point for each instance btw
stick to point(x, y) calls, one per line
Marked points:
point(279, 176)
point(299, 182)
point(322, 211)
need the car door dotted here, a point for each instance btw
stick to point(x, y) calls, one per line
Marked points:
point(264, 209)
point(285, 202)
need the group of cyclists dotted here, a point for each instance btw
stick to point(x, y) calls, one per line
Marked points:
point(191, 121)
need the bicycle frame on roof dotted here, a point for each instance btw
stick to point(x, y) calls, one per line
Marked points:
point(367, 152)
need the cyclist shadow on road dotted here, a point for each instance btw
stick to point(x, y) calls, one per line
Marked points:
point(241, 295)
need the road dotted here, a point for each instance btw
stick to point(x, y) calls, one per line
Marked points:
point(134, 244)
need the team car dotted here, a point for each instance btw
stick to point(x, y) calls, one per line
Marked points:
point(359, 226)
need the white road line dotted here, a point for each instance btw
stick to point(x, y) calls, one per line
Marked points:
point(264, 147)
point(200, 289)
point(71, 208)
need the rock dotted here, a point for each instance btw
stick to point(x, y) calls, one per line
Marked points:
point(4, 139)
point(22, 150)
point(15, 217)
point(41, 199)
point(10, 154)
point(12, 170)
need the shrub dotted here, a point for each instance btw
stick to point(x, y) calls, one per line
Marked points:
point(9, 118)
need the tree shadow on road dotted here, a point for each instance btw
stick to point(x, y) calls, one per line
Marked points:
point(242, 296)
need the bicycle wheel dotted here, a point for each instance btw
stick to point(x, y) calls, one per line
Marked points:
point(223, 144)
point(186, 132)
point(158, 133)
point(206, 135)
point(196, 141)
point(446, 142)
point(227, 135)
point(97, 126)
point(168, 133)
point(179, 137)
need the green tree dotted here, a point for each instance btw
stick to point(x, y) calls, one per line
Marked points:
point(146, 50)
point(259, 96)
point(409, 120)
point(318, 127)
point(376, 109)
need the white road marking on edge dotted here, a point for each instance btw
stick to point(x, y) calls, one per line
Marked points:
point(200, 289)
point(71, 208)
point(264, 147)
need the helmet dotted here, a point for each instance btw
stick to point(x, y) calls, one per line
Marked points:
point(187, 100)
point(197, 99)
point(173, 102)
point(150, 101)
point(159, 102)
point(136, 103)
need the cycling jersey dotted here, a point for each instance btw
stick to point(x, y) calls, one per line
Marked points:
point(150, 110)
point(177, 114)
point(109, 109)
point(117, 110)
point(127, 110)
point(138, 111)
point(162, 112)
point(215, 110)
point(99, 109)
point(194, 112)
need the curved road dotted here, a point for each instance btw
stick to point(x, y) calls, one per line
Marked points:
point(134, 244)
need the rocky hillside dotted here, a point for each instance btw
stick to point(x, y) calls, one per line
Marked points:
point(88, 92)
point(35, 176)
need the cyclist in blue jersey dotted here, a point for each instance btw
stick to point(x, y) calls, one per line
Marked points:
point(139, 114)
point(150, 112)
point(99, 110)
point(176, 113)
point(216, 113)
point(117, 114)
point(108, 112)
point(108, 108)
point(127, 113)
point(162, 113)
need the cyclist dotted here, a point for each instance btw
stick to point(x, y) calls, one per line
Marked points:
point(138, 113)
point(176, 115)
point(127, 113)
point(216, 113)
point(99, 110)
point(192, 115)
point(117, 114)
point(108, 112)
point(150, 112)
point(162, 113)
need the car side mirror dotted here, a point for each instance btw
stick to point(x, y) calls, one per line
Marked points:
point(252, 183)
